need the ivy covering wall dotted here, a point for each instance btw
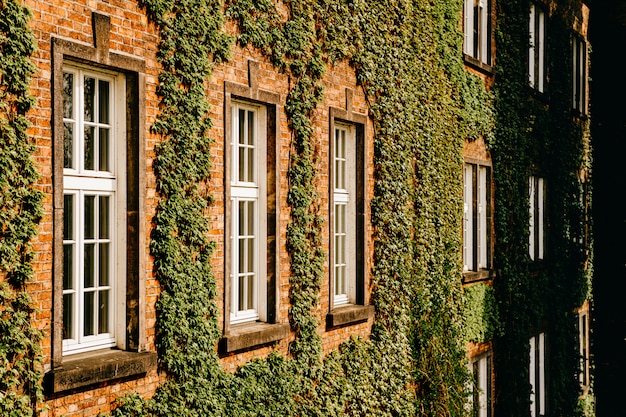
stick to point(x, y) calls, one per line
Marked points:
point(20, 211)
point(423, 105)
point(538, 135)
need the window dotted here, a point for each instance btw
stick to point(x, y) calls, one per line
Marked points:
point(537, 375)
point(583, 332)
point(477, 28)
point(536, 238)
point(476, 217)
point(347, 160)
point(537, 47)
point(344, 214)
point(482, 390)
point(99, 228)
point(579, 74)
point(248, 210)
point(93, 217)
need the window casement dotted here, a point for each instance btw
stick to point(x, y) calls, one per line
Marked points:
point(583, 338)
point(248, 208)
point(94, 224)
point(344, 214)
point(538, 375)
point(537, 218)
point(251, 212)
point(537, 47)
point(481, 400)
point(99, 229)
point(477, 30)
point(579, 74)
point(348, 301)
point(476, 217)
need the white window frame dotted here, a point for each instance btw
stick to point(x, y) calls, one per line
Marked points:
point(477, 30)
point(476, 227)
point(481, 397)
point(253, 190)
point(537, 46)
point(537, 221)
point(79, 182)
point(579, 74)
point(343, 221)
point(537, 375)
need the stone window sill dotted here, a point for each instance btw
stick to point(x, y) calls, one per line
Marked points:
point(248, 335)
point(350, 314)
point(97, 368)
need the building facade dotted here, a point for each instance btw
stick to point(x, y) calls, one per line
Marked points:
point(222, 185)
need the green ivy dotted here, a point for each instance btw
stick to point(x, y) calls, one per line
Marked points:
point(538, 134)
point(423, 105)
point(20, 212)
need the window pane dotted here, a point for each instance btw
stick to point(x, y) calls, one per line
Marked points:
point(68, 217)
point(250, 140)
point(242, 164)
point(103, 102)
point(68, 313)
point(89, 216)
point(68, 144)
point(89, 97)
point(103, 313)
point(250, 255)
point(242, 287)
point(89, 266)
point(250, 162)
point(103, 150)
point(89, 147)
point(88, 317)
point(250, 218)
point(242, 218)
point(242, 255)
point(250, 293)
point(104, 217)
point(103, 264)
point(242, 126)
point(68, 267)
point(68, 95)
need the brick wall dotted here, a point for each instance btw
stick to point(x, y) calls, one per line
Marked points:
point(131, 34)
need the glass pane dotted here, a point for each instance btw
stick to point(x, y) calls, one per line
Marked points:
point(68, 217)
point(250, 255)
point(68, 95)
point(103, 313)
point(104, 217)
point(250, 212)
point(88, 324)
point(89, 97)
point(242, 257)
point(250, 128)
point(89, 216)
point(89, 266)
point(242, 164)
point(103, 150)
point(68, 145)
point(250, 165)
point(68, 267)
point(241, 295)
point(68, 313)
point(242, 217)
point(250, 292)
point(242, 126)
point(89, 147)
point(103, 101)
point(103, 264)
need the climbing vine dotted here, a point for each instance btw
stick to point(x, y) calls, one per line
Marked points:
point(537, 134)
point(20, 212)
